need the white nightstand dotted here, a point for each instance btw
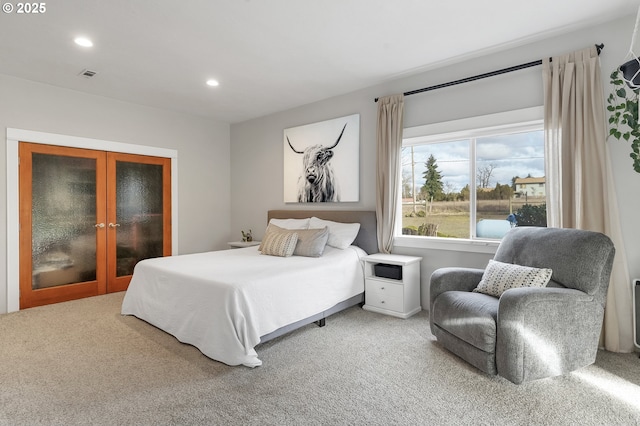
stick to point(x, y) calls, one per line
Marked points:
point(397, 297)
point(242, 244)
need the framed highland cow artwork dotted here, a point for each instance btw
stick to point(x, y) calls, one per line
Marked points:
point(322, 161)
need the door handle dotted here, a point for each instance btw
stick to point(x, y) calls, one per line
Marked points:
point(99, 225)
point(113, 225)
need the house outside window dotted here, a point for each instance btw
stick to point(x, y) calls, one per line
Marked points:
point(473, 184)
point(530, 186)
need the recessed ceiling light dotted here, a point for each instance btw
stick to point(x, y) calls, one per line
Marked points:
point(212, 83)
point(83, 41)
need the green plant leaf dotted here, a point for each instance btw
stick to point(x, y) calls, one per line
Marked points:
point(623, 115)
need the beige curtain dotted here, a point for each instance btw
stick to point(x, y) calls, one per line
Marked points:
point(580, 191)
point(389, 137)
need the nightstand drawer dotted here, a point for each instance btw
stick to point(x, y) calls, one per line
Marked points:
point(384, 295)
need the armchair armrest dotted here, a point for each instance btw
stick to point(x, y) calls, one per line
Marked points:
point(545, 332)
point(453, 279)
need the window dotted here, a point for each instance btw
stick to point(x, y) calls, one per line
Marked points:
point(474, 183)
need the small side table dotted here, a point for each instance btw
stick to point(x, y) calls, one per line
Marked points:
point(399, 296)
point(242, 244)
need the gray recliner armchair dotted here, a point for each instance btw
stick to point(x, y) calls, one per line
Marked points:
point(528, 333)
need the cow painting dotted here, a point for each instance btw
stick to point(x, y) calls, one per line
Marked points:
point(321, 161)
point(317, 183)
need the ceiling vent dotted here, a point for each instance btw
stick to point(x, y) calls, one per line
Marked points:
point(87, 73)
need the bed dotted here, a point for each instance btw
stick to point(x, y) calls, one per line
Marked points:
point(227, 302)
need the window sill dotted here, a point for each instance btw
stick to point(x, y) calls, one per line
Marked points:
point(461, 245)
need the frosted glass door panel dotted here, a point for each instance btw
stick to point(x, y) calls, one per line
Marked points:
point(63, 220)
point(139, 213)
point(86, 218)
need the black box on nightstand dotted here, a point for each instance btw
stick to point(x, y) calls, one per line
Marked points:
point(384, 270)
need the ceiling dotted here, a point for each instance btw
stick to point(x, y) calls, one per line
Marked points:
point(268, 55)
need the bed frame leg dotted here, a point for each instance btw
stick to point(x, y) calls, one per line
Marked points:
point(320, 322)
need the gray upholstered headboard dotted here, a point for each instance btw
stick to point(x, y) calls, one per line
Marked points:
point(367, 236)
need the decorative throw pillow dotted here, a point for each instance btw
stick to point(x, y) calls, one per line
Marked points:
point(291, 223)
point(311, 242)
point(269, 232)
point(341, 235)
point(500, 277)
point(277, 243)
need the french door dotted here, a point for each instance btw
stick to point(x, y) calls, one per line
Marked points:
point(86, 218)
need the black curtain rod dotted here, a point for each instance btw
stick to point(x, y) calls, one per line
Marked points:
point(599, 48)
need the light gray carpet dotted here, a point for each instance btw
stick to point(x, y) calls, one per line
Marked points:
point(83, 363)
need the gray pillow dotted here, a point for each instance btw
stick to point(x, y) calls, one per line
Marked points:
point(311, 242)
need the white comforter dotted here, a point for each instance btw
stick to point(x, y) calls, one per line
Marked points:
point(222, 302)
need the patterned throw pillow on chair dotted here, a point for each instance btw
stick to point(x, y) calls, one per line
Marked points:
point(500, 277)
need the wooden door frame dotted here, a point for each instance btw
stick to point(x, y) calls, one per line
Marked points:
point(14, 136)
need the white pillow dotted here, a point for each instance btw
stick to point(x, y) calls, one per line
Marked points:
point(341, 235)
point(500, 277)
point(291, 223)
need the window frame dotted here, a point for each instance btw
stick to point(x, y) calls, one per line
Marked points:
point(521, 120)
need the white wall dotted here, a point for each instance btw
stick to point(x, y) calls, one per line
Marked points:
point(256, 145)
point(202, 145)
